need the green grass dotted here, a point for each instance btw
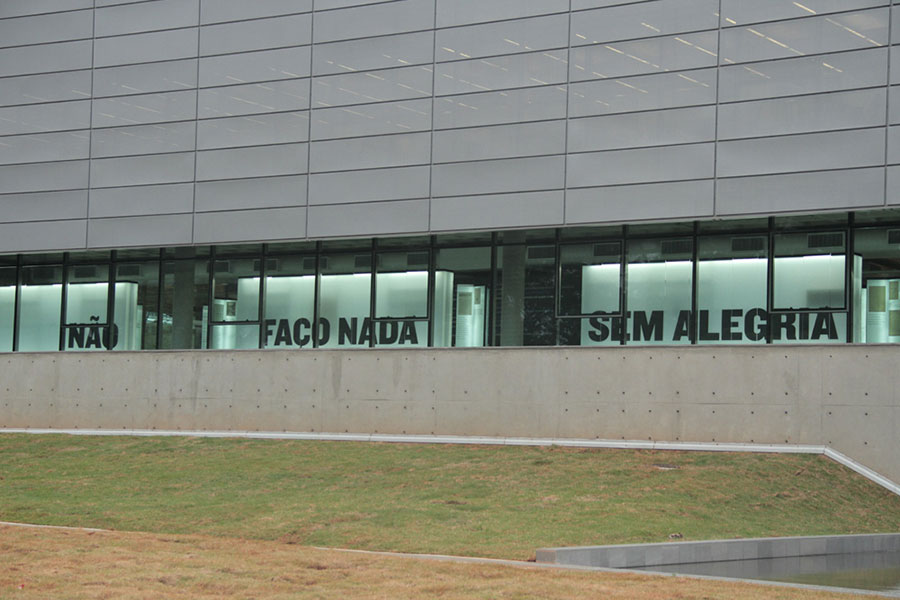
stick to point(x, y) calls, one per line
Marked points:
point(467, 500)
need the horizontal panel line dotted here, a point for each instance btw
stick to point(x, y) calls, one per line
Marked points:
point(42, 14)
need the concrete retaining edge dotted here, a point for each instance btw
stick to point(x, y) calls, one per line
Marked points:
point(630, 556)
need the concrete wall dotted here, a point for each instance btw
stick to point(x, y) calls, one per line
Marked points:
point(845, 397)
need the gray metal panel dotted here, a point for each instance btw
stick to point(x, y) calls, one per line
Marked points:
point(278, 128)
point(42, 235)
point(146, 16)
point(142, 200)
point(805, 152)
point(638, 115)
point(800, 192)
point(406, 216)
point(820, 112)
point(56, 27)
point(461, 12)
point(46, 58)
point(643, 20)
point(804, 75)
point(139, 231)
point(497, 211)
point(642, 92)
point(500, 141)
point(493, 108)
point(682, 199)
point(250, 225)
point(143, 139)
point(146, 47)
point(637, 57)
point(633, 130)
point(642, 165)
point(145, 108)
point(259, 161)
point(893, 156)
point(43, 206)
point(370, 185)
point(142, 79)
point(370, 152)
point(372, 119)
point(256, 98)
point(740, 12)
point(267, 192)
point(381, 19)
point(54, 116)
point(27, 89)
point(374, 53)
point(39, 177)
point(374, 86)
point(142, 170)
point(507, 175)
point(18, 8)
point(501, 72)
point(893, 185)
point(217, 11)
point(505, 37)
point(255, 35)
point(43, 147)
point(266, 65)
point(813, 35)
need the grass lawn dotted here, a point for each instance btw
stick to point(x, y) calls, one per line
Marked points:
point(40, 564)
point(466, 500)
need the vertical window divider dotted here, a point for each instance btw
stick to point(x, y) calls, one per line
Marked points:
point(160, 281)
point(770, 279)
point(261, 303)
point(17, 309)
point(492, 309)
point(429, 299)
point(695, 258)
point(316, 288)
point(556, 284)
point(623, 285)
point(210, 295)
point(849, 259)
point(111, 300)
point(63, 301)
point(372, 291)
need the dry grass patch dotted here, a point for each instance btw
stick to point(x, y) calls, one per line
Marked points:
point(72, 564)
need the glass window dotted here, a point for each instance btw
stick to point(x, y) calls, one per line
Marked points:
point(590, 278)
point(462, 294)
point(137, 306)
point(235, 299)
point(659, 289)
point(590, 283)
point(809, 271)
point(7, 307)
point(876, 286)
point(39, 313)
point(345, 301)
point(808, 288)
point(87, 297)
point(525, 304)
point(401, 298)
point(732, 284)
point(185, 304)
point(290, 297)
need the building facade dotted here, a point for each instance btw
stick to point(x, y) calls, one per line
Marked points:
point(190, 174)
